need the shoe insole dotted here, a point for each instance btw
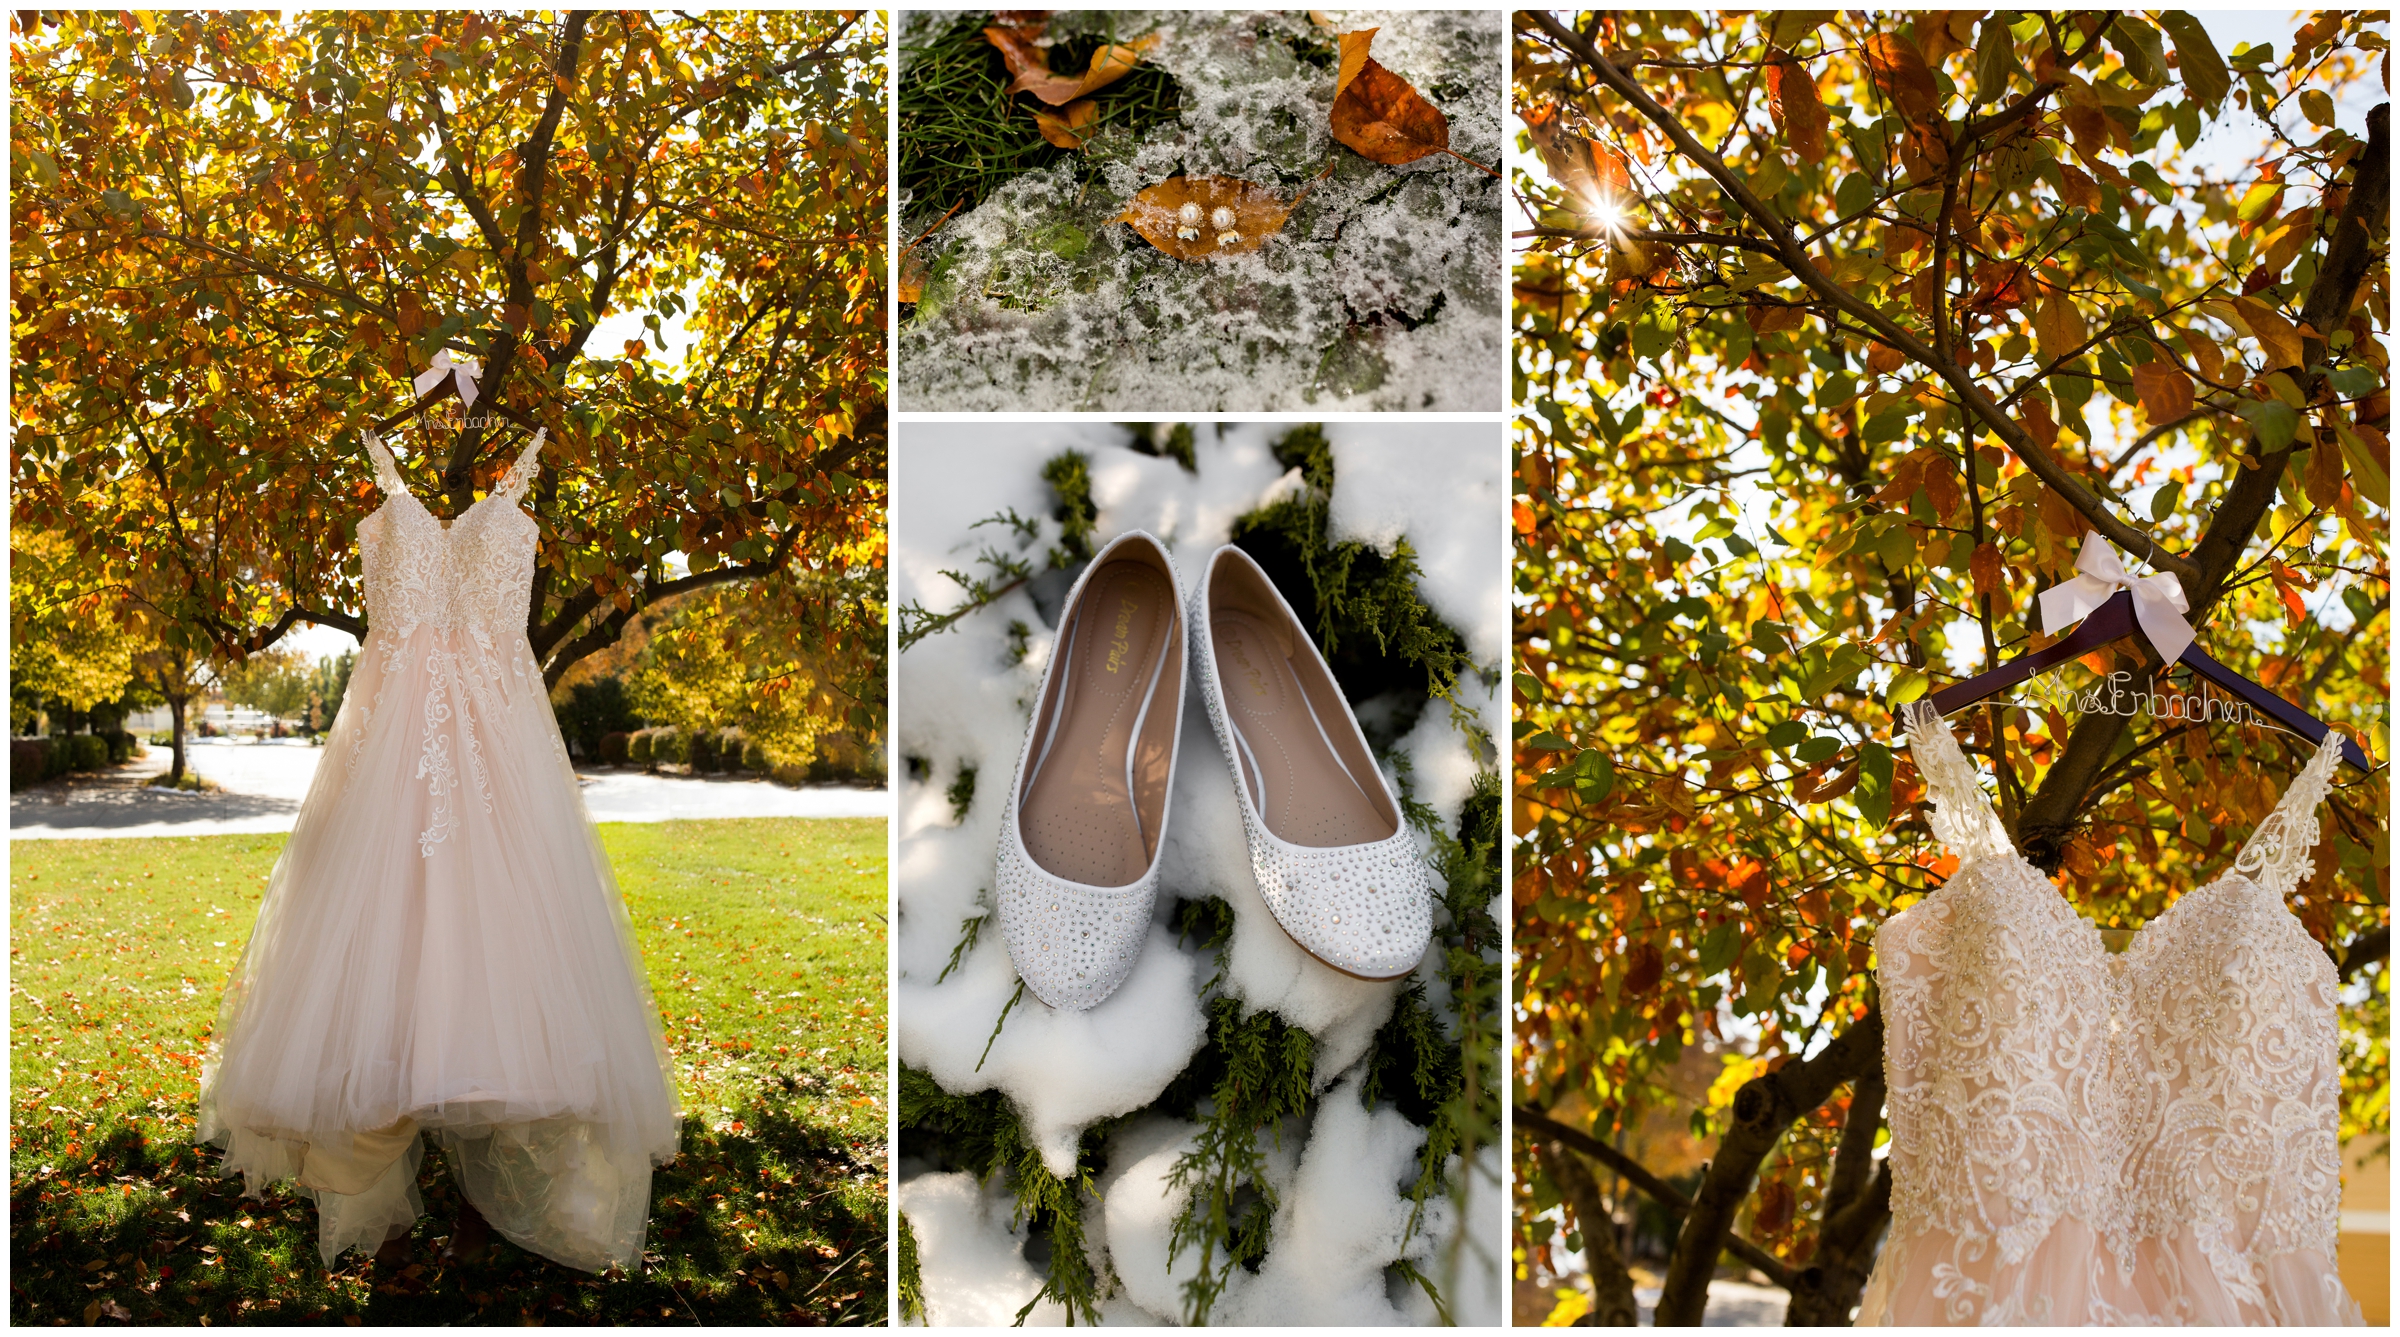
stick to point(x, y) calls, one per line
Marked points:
point(1087, 816)
point(1302, 789)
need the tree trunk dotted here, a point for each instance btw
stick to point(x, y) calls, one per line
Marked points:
point(175, 705)
point(1762, 1110)
point(1856, 1210)
point(1612, 1285)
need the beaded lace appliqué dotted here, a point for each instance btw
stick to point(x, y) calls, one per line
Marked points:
point(2184, 1090)
point(471, 583)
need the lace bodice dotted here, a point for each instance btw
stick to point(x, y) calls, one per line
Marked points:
point(476, 576)
point(2180, 1098)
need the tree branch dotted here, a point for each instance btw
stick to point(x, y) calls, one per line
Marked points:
point(1796, 259)
point(1655, 1188)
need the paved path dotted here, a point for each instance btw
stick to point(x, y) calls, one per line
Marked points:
point(264, 781)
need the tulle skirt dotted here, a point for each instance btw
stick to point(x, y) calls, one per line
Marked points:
point(2073, 1278)
point(443, 953)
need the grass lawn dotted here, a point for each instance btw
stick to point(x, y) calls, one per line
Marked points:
point(764, 941)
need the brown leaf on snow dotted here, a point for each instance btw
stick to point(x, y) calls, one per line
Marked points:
point(1203, 217)
point(1030, 66)
point(1376, 112)
point(1061, 128)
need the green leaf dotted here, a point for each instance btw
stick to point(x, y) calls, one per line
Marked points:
point(1718, 948)
point(1995, 59)
point(1816, 749)
point(2317, 106)
point(1874, 792)
point(2259, 201)
point(1783, 735)
point(2204, 74)
point(2138, 42)
point(2275, 422)
point(1546, 741)
point(2164, 501)
point(1855, 193)
point(2355, 382)
point(2370, 476)
point(119, 203)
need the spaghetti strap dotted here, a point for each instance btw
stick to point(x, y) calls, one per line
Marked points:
point(387, 469)
point(521, 472)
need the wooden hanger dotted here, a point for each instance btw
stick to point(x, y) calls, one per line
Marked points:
point(2114, 621)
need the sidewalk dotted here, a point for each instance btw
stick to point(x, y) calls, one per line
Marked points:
point(264, 781)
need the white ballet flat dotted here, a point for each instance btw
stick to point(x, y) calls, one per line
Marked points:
point(1334, 863)
point(1079, 838)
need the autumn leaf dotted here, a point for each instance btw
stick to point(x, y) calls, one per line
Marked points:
point(1899, 70)
point(1061, 128)
point(2274, 334)
point(1983, 567)
point(1378, 115)
point(1585, 169)
point(1792, 99)
point(2165, 392)
point(1204, 217)
point(2058, 328)
point(1030, 66)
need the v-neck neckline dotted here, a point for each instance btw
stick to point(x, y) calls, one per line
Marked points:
point(2007, 848)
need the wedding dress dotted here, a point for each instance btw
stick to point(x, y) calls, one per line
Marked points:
point(2081, 1138)
point(442, 949)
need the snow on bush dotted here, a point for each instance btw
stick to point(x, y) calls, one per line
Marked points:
point(1091, 1158)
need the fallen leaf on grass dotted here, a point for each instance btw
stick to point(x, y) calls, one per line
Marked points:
point(1030, 65)
point(1222, 215)
point(1061, 128)
point(1376, 112)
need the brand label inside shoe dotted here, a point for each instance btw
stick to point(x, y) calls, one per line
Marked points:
point(1121, 645)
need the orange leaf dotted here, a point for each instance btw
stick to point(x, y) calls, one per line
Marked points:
point(2274, 334)
point(2165, 392)
point(1792, 99)
point(1203, 217)
point(2292, 607)
point(1585, 169)
point(1377, 114)
point(2035, 419)
point(1031, 66)
point(1984, 567)
point(2078, 189)
point(1060, 129)
point(1900, 71)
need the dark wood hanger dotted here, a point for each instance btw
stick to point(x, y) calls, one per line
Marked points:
point(2111, 622)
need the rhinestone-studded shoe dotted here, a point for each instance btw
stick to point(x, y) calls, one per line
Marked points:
point(1334, 863)
point(1079, 838)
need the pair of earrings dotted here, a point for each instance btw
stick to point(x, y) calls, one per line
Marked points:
point(1188, 217)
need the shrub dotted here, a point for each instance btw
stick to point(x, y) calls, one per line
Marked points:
point(90, 751)
point(593, 710)
point(754, 758)
point(120, 745)
point(616, 747)
point(668, 744)
point(28, 761)
point(637, 747)
point(703, 751)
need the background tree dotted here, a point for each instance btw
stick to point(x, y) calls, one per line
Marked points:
point(273, 681)
point(1839, 336)
point(64, 651)
point(237, 238)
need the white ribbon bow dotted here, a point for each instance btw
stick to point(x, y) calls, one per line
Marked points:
point(465, 369)
point(2158, 602)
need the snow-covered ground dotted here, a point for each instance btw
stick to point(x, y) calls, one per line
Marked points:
point(263, 781)
point(1384, 291)
point(962, 699)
